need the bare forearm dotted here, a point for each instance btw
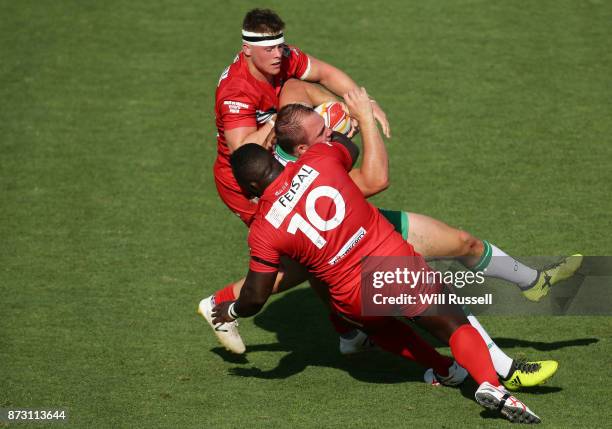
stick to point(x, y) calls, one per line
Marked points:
point(338, 82)
point(247, 308)
point(254, 294)
point(238, 137)
point(331, 77)
point(375, 162)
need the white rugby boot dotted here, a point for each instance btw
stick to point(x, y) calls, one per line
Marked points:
point(227, 333)
point(497, 399)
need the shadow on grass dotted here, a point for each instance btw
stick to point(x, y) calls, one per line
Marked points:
point(303, 331)
point(540, 345)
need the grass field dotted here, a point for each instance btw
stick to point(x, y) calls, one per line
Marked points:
point(111, 230)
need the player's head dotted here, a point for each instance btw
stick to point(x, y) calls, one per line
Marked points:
point(263, 41)
point(298, 127)
point(254, 168)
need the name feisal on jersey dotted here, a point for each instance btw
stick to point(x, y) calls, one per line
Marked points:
point(290, 196)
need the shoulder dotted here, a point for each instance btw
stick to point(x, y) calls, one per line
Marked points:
point(261, 232)
point(329, 153)
point(293, 51)
point(296, 62)
point(234, 79)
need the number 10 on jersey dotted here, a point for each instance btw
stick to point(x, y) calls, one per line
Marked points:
point(316, 223)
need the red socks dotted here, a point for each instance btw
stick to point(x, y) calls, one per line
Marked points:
point(398, 338)
point(225, 294)
point(470, 351)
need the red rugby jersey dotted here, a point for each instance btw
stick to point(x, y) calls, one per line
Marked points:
point(242, 100)
point(315, 214)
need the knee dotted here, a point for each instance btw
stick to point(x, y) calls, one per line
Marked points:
point(468, 244)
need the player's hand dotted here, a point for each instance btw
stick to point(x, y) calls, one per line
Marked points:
point(220, 314)
point(359, 104)
point(381, 117)
point(354, 128)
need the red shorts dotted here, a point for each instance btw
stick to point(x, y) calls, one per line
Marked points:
point(231, 193)
point(363, 303)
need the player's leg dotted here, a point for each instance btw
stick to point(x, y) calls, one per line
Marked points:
point(446, 240)
point(299, 91)
point(394, 336)
point(514, 373)
point(449, 323)
point(352, 339)
point(435, 239)
point(465, 343)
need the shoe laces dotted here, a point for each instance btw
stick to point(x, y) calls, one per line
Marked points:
point(528, 367)
point(555, 265)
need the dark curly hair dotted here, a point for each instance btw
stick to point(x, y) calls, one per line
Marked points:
point(262, 21)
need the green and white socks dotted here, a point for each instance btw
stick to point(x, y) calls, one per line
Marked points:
point(494, 262)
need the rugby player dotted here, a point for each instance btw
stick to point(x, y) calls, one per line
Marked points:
point(246, 102)
point(326, 208)
point(433, 238)
point(247, 98)
point(297, 124)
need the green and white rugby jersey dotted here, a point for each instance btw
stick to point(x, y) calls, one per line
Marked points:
point(282, 156)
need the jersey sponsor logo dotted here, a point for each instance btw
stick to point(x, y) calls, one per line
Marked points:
point(263, 117)
point(288, 200)
point(348, 246)
point(235, 106)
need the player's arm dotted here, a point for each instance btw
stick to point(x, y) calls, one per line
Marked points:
point(238, 112)
point(339, 83)
point(255, 292)
point(373, 176)
point(237, 137)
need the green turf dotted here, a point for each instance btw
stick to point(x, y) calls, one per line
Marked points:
point(111, 230)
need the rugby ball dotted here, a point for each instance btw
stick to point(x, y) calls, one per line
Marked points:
point(336, 116)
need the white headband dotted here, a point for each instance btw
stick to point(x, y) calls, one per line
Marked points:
point(262, 39)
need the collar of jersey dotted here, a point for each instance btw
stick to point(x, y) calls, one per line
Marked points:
point(284, 155)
